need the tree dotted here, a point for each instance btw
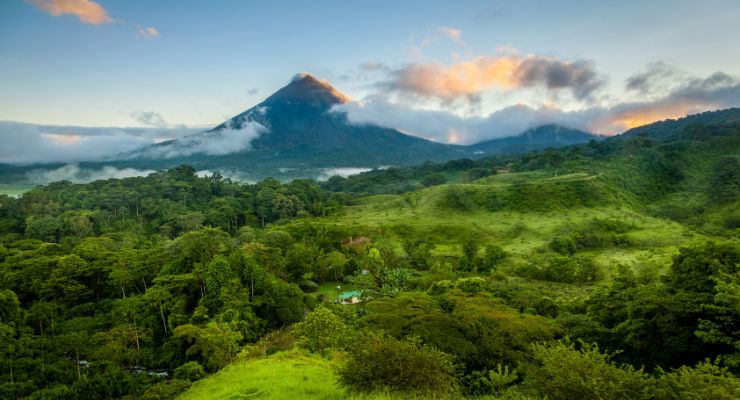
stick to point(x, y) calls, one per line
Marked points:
point(494, 255)
point(726, 179)
point(283, 302)
point(470, 261)
point(434, 179)
point(216, 343)
point(322, 330)
point(46, 228)
point(253, 275)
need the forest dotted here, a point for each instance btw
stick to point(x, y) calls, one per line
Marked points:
point(609, 270)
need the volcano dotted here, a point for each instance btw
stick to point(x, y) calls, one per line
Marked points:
point(297, 133)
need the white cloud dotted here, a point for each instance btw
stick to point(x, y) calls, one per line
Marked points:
point(73, 173)
point(213, 143)
point(30, 143)
point(326, 173)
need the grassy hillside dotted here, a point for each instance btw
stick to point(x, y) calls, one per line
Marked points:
point(286, 375)
point(449, 215)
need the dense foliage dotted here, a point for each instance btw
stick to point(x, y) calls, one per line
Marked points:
point(139, 287)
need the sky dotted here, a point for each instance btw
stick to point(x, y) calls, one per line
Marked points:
point(450, 71)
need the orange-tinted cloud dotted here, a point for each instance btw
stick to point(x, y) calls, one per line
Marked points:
point(149, 32)
point(689, 96)
point(465, 78)
point(87, 11)
point(468, 78)
point(452, 33)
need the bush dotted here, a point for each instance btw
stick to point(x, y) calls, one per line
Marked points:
point(166, 390)
point(387, 364)
point(562, 269)
point(707, 381)
point(471, 285)
point(562, 372)
point(495, 381)
point(190, 371)
point(434, 179)
point(456, 198)
point(440, 287)
point(564, 245)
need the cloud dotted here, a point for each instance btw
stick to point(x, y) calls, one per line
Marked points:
point(87, 11)
point(73, 173)
point(371, 66)
point(326, 173)
point(452, 33)
point(252, 91)
point(654, 78)
point(467, 79)
point(578, 76)
point(46, 143)
point(213, 143)
point(149, 118)
point(694, 95)
point(148, 33)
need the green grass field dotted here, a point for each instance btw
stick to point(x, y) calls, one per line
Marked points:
point(521, 234)
point(291, 375)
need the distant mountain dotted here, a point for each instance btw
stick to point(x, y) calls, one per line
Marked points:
point(295, 134)
point(662, 129)
point(303, 134)
point(538, 138)
point(300, 134)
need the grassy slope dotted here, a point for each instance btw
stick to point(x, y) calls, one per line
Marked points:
point(290, 375)
point(520, 233)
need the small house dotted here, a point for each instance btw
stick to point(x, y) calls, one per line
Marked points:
point(350, 297)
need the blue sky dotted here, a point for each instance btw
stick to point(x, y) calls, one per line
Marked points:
point(203, 61)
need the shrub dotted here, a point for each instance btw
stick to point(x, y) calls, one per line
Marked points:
point(471, 285)
point(562, 372)
point(434, 179)
point(190, 371)
point(480, 383)
point(387, 364)
point(706, 381)
point(167, 390)
point(564, 245)
point(562, 269)
point(440, 287)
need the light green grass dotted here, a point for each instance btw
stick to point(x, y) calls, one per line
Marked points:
point(390, 219)
point(291, 375)
point(329, 289)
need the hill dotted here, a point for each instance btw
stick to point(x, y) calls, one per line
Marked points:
point(538, 138)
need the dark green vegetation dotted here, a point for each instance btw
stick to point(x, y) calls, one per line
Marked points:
point(608, 270)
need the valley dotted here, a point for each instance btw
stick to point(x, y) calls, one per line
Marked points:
point(500, 275)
